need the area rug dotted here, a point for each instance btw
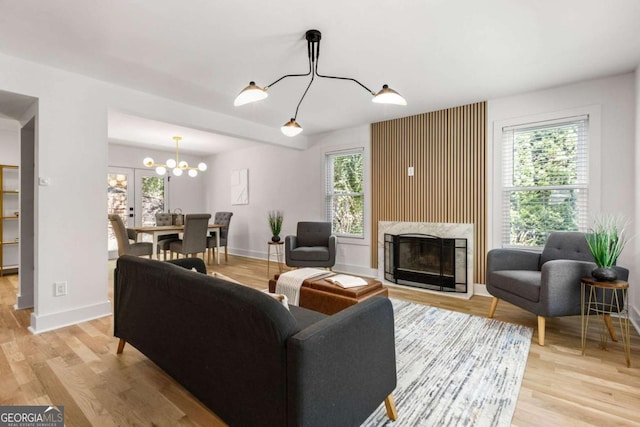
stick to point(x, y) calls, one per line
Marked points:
point(454, 369)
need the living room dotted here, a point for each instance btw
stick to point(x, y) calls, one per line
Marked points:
point(73, 113)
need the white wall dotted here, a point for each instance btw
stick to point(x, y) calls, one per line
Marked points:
point(634, 305)
point(71, 150)
point(184, 192)
point(9, 142)
point(615, 97)
point(287, 180)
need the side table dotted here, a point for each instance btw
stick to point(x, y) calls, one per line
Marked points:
point(606, 298)
point(277, 246)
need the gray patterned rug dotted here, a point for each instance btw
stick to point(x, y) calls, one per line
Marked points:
point(455, 369)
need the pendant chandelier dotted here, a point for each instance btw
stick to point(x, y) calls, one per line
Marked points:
point(176, 165)
point(253, 93)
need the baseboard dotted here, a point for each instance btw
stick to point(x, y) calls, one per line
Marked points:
point(24, 301)
point(48, 322)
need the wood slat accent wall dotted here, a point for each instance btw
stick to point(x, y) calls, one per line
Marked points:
point(447, 149)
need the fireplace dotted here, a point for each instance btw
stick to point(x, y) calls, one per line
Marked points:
point(426, 261)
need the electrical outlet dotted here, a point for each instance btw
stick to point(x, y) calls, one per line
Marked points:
point(410, 171)
point(59, 289)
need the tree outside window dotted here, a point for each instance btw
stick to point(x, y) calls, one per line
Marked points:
point(545, 181)
point(344, 193)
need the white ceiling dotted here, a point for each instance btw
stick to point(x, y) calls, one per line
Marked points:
point(436, 53)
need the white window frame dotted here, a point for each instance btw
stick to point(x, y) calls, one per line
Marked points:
point(328, 195)
point(496, 212)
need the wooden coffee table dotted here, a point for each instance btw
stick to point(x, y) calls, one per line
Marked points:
point(320, 295)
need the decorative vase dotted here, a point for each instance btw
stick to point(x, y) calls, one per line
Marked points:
point(605, 274)
point(275, 239)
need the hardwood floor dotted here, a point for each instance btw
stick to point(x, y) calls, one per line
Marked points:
point(77, 367)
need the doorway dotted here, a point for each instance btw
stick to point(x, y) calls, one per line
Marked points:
point(136, 195)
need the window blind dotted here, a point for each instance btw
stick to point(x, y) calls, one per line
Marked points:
point(545, 180)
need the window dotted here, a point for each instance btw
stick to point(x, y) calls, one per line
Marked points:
point(344, 193)
point(545, 180)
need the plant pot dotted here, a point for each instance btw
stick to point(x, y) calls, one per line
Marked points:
point(605, 274)
point(275, 239)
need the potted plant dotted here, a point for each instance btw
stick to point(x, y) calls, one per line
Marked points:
point(275, 223)
point(606, 241)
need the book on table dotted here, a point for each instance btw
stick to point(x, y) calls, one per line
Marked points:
point(346, 281)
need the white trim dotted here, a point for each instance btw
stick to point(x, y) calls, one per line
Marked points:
point(495, 211)
point(47, 322)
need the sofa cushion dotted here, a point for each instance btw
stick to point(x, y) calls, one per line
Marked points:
point(524, 283)
point(310, 253)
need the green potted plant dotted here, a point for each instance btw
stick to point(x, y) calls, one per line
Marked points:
point(606, 240)
point(275, 223)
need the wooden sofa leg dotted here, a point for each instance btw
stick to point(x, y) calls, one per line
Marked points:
point(121, 346)
point(226, 255)
point(390, 405)
point(494, 304)
point(541, 324)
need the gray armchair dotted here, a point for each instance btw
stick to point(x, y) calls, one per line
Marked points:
point(312, 246)
point(547, 283)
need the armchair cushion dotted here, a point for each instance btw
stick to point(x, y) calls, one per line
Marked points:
point(525, 283)
point(313, 233)
point(310, 253)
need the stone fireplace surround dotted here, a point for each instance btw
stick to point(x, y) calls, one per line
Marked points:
point(439, 229)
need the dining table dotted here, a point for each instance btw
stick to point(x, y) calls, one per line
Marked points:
point(160, 230)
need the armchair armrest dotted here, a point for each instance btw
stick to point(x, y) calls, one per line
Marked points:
point(343, 366)
point(333, 245)
point(512, 259)
point(560, 286)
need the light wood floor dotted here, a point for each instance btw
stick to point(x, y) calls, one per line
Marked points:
point(77, 367)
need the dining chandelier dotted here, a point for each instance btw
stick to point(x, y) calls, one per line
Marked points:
point(253, 93)
point(176, 165)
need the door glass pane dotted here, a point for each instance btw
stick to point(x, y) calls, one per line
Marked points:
point(117, 185)
point(152, 199)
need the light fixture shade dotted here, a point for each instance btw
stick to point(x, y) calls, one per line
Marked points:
point(202, 166)
point(148, 162)
point(177, 171)
point(171, 163)
point(193, 173)
point(161, 170)
point(291, 128)
point(251, 93)
point(183, 164)
point(389, 96)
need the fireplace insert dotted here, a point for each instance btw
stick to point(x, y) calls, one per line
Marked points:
point(425, 261)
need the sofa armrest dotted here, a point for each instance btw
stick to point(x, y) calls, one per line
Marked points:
point(343, 366)
point(512, 259)
point(190, 263)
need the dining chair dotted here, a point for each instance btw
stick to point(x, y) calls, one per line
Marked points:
point(194, 237)
point(124, 247)
point(162, 219)
point(220, 218)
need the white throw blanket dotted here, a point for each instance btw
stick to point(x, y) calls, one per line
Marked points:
point(289, 283)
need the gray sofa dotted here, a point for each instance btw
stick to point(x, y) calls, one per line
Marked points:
point(248, 358)
point(545, 283)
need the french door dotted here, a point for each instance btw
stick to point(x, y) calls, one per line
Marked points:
point(136, 195)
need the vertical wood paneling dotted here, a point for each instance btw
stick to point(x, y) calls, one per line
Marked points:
point(447, 148)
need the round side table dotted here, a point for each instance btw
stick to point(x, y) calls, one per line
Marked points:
point(277, 246)
point(605, 298)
